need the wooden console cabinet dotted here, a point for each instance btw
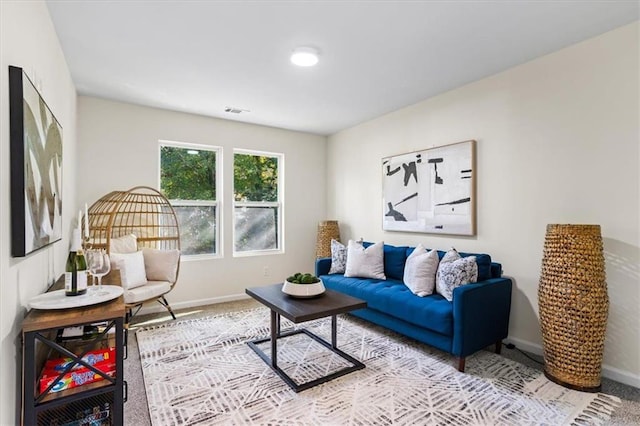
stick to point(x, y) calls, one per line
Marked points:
point(97, 403)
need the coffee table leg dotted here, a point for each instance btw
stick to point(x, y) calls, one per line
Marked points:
point(334, 332)
point(275, 325)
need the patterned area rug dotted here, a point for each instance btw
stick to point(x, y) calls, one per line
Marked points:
point(201, 372)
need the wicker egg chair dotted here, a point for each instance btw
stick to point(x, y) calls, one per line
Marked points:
point(145, 213)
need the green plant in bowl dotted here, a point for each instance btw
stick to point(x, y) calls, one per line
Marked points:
point(300, 278)
point(303, 285)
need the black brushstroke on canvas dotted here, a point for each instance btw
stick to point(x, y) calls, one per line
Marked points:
point(414, 195)
point(392, 172)
point(410, 170)
point(460, 201)
point(395, 214)
point(435, 161)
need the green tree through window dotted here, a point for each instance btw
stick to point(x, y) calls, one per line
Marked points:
point(188, 179)
point(257, 204)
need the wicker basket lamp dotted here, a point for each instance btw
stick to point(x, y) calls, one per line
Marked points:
point(327, 230)
point(573, 305)
point(142, 211)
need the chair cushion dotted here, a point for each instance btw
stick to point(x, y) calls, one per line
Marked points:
point(161, 265)
point(124, 244)
point(131, 266)
point(150, 290)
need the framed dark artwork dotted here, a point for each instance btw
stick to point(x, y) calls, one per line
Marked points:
point(431, 191)
point(36, 168)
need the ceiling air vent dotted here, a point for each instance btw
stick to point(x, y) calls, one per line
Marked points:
point(234, 110)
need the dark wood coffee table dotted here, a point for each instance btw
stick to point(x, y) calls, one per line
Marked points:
point(330, 303)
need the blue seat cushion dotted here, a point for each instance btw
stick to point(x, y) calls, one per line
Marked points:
point(392, 297)
point(394, 259)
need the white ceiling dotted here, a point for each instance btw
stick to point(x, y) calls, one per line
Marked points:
point(376, 56)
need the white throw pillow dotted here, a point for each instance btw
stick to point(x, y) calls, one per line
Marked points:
point(131, 266)
point(365, 263)
point(455, 274)
point(338, 257)
point(124, 244)
point(420, 271)
point(161, 265)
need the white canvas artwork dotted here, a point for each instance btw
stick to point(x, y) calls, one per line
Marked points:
point(430, 191)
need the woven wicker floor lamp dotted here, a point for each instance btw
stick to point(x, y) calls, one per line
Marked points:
point(327, 230)
point(573, 305)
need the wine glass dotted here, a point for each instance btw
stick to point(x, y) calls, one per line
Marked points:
point(99, 266)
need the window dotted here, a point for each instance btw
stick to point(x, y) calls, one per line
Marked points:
point(257, 202)
point(189, 179)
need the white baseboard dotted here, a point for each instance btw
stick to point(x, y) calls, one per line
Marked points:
point(609, 372)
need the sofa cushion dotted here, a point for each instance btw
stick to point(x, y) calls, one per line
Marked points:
point(365, 262)
point(456, 273)
point(392, 297)
point(420, 271)
point(394, 260)
point(484, 265)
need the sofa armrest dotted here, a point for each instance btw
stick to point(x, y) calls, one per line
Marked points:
point(480, 315)
point(323, 266)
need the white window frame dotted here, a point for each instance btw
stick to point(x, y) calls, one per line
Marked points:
point(279, 204)
point(217, 203)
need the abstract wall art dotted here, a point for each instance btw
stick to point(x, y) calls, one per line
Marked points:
point(431, 191)
point(36, 168)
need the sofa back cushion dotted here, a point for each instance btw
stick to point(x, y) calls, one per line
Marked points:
point(394, 260)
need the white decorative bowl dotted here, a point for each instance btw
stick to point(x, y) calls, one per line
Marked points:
point(303, 290)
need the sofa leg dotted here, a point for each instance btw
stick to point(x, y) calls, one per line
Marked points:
point(498, 346)
point(461, 364)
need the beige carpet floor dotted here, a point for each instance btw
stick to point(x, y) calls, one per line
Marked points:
point(136, 409)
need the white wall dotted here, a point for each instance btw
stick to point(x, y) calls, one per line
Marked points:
point(28, 40)
point(558, 142)
point(119, 149)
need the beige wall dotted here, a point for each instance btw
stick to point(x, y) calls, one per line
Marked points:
point(119, 149)
point(28, 40)
point(558, 142)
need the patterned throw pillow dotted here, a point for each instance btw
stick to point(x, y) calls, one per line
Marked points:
point(338, 257)
point(449, 256)
point(365, 262)
point(420, 271)
point(455, 274)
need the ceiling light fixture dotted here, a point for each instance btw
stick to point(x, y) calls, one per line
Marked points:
point(305, 56)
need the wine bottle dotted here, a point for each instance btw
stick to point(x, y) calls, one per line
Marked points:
point(75, 276)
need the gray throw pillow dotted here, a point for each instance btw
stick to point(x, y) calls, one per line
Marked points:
point(365, 262)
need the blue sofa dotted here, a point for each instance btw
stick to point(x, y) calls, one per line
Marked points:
point(477, 317)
